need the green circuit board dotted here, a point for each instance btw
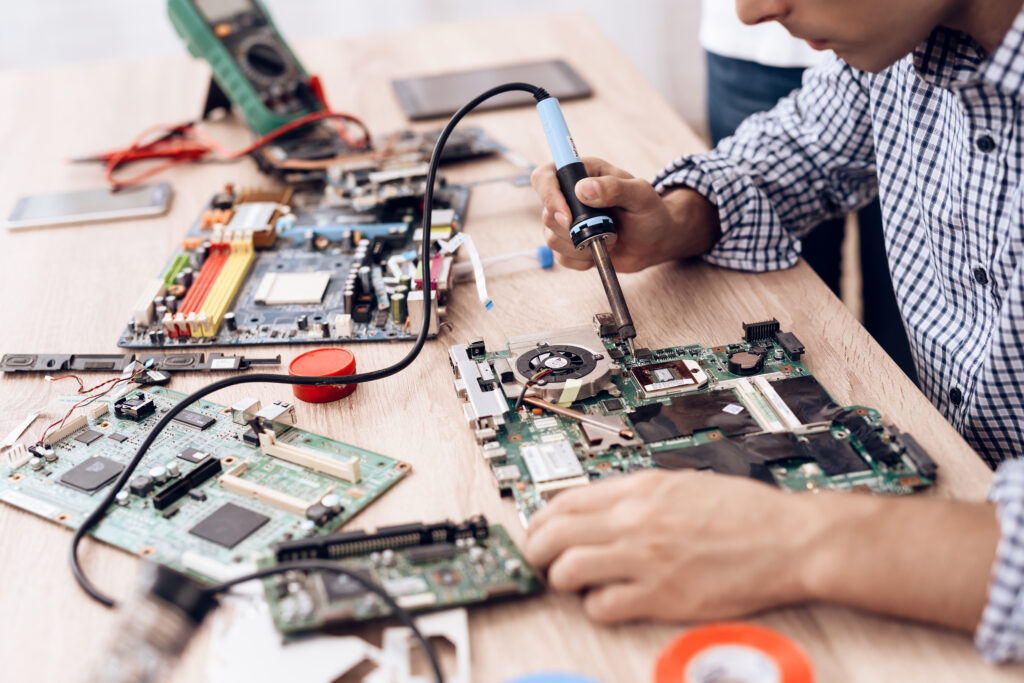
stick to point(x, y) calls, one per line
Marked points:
point(731, 424)
point(209, 527)
point(434, 571)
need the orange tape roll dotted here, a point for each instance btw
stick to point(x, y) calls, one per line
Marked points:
point(736, 652)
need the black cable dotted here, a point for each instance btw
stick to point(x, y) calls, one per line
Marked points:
point(325, 565)
point(97, 514)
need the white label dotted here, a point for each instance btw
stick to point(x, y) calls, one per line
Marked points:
point(733, 409)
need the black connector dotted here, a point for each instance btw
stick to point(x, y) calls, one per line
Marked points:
point(208, 467)
point(790, 344)
point(763, 330)
point(349, 543)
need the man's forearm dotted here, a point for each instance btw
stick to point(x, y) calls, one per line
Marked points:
point(695, 222)
point(923, 558)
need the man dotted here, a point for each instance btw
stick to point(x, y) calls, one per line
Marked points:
point(751, 68)
point(928, 94)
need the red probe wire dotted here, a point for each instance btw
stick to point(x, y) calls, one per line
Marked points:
point(186, 143)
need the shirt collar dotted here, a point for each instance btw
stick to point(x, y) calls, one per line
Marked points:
point(952, 58)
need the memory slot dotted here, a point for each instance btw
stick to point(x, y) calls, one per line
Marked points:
point(226, 287)
point(185, 320)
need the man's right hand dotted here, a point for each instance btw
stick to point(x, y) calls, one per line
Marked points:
point(651, 228)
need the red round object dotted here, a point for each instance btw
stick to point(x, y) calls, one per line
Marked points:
point(328, 362)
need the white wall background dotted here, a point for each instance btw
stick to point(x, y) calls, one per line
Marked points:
point(659, 36)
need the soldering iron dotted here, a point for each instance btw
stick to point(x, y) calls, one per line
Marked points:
point(590, 227)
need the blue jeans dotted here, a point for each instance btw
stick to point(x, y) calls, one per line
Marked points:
point(737, 89)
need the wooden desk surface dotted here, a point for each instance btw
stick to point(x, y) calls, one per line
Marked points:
point(71, 289)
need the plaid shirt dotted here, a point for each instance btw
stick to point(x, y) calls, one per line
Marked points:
point(939, 138)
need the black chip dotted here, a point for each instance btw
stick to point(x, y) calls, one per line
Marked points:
point(807, 399)
point(88, 436)
point(196, 494)
point(693, 413)
point(91, 474)
point(642, 353)
point(430, 553)
point(612, 404)
point(616, 354)
point(723, 456)
point(194, 420)
point(834, 456)
point(229, 525)
point(342, 587)
point(119, 438)
point(192, 455)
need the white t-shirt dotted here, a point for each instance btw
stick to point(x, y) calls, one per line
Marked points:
point(722, 32)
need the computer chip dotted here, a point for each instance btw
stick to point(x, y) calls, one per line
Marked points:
point(91, 474)
point(88, 436)
point(117, 438)
point(551, 461)
point(284, 289)
point(229, 525)
point(193, 419)
point(192, 455)
point(341, 586)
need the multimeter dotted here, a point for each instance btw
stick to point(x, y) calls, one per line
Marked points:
point(252, 64)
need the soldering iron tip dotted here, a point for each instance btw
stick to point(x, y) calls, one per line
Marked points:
point(629, 343)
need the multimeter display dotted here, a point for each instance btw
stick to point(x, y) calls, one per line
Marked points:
point(219, 10)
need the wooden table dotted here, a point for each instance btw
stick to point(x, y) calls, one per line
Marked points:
point(71, 290)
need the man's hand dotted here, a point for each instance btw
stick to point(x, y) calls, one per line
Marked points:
point(680, 546)
point(651, 228)
point(673, 546)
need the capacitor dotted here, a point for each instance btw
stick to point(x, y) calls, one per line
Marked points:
point(185, 277)
point(160, 312)
point(346, 240)
point(325, 329)
point(302, 322)
point(231, 321)
point(173, 469)
point(405, 281)
point(158, 301)
point(476, 554)
point(50, 455)
point(364, 279)
point(158, 474)
point(779, 353)
point(121, 498)
point(307, 527)
point(331, 501)
point(156, 337)
point(387, 558)
point(399, 308)
point(309, 239)
point(350, 295)
point(35, 463)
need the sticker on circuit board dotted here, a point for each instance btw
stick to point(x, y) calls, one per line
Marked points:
point(733, 409)
point(551, 461)
point(669, 376)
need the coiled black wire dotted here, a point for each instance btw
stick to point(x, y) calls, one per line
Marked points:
point(97, 514)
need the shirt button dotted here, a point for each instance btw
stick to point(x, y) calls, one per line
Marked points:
point(985, 143)
point(980, 276)
point(956, 397)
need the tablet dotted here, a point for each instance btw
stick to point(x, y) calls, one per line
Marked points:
point(428, 97)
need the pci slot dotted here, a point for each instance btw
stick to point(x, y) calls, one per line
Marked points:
point(178, 264)
point(349, 543)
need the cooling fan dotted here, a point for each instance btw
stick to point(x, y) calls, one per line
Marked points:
point(576, 363)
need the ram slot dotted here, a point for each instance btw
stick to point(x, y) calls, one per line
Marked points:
point(347, 470)
point(232, 481)
point(201, 287)
point(226, 287)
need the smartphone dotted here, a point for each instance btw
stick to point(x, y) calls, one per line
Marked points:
point(428, 97)
point(65, 208)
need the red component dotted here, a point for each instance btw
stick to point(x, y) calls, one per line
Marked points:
point(329, 362)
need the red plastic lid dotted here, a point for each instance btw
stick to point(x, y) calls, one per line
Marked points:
point(328, 362)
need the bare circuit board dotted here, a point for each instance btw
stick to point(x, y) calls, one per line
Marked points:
point(339, 262)
point(209, 493)
point(749, 409)
point(422, 566)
